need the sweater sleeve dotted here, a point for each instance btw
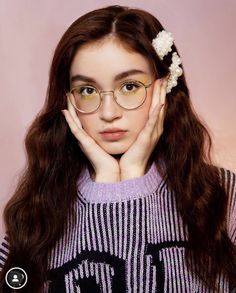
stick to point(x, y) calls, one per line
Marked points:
point(229, 182)
point(4, 251)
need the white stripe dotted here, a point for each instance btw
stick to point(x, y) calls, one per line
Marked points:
point(157, 219)
point(71, 282)
point(172, 254)
point(142, 248)
point(154, 284)
point(129, 258)
point(97, 273)
point(155, 215)
point(81, 271)
point(121, 236)
point(125, 248)
point(91, 225)
point(83, 228)
point(86, 268)
point(163, 219)
point(103, 228)
point(78, 232)
point(108, 274)
point(115, 228)
point(147, 213)
point(97, 229)
point(70, 236)
point(173, 229)
point(136, 247)
point(103, 276)
point(110, 244)
point(150, 219)
point(87, 227)
point(148, 272)
point(91, 268)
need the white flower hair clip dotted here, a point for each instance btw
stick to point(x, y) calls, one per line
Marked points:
point(162, 45)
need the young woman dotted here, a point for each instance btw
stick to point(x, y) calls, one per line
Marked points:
point(120, 193)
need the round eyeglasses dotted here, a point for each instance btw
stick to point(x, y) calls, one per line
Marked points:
point(129, 95)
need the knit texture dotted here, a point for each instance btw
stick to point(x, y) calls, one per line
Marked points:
point(128, 237)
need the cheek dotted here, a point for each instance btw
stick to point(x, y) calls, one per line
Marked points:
point(142, 114)
point(140, 122)
point(87, 122)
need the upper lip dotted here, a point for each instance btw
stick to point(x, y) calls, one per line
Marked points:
point(112, 130)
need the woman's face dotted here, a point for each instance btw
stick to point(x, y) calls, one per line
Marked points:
point(102, 64)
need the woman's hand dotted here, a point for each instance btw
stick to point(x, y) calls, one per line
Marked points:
point(106, 167)
point(134, 161)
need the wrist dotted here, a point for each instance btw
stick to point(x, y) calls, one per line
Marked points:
point(106, 178)
point(130, 174)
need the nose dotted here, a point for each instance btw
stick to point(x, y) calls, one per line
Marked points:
point(109, 109)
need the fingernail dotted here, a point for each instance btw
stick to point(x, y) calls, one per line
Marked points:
point(63, 112)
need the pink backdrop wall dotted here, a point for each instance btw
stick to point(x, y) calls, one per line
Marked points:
point(204, 32)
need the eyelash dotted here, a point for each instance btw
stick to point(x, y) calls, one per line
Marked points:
point(82, 88)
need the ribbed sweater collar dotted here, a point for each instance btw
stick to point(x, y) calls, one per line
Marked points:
point(118, 191)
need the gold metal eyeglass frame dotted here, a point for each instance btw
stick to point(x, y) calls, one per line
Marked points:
point(113, 92)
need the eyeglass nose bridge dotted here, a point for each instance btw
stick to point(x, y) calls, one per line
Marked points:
point(102, 92)
point(105, 92)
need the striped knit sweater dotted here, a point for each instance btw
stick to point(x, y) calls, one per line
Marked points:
point(128, 237)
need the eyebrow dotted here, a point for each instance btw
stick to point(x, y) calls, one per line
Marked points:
point(118, 76)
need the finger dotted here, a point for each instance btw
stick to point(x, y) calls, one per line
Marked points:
point(163, 90)
point(72, 110)
point(155, 115)
point(157, 112)
point(78, 133)
point(163, 102)
point(155, 95)
point(156, 120)
point(74, 123)
point(153, 120)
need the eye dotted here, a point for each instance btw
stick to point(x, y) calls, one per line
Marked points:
point(130, 87)
point(85, 90)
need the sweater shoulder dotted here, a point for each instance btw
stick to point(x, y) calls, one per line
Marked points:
point(228, 181)
point(4, 251)
point(227, 176)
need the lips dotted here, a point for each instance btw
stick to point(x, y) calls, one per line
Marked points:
point(113, 134)
point(112, 130)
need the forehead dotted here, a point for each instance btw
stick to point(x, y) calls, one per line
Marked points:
point(107, 58)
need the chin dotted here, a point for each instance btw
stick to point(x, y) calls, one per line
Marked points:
point(115, 153)
point(115, 150)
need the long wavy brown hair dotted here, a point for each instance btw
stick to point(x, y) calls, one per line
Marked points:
point(36, 215)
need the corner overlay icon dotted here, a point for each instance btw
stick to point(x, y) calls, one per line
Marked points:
point(16, 278)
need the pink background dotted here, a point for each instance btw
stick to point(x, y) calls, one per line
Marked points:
point(204, 33)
